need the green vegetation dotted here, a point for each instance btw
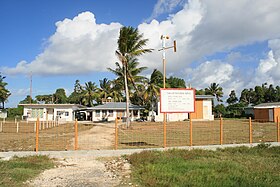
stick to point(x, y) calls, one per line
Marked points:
point(4, 92)
point(242, 166)
point(18, 170)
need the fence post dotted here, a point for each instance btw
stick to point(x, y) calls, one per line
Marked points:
point(76, 135)
point(35, 127)
point(116, 133)
point(278, 130)
point(250, 131)
point(17, 127)
point(164, 130)
point(221, 130)
point(1, 127)
point(37, 135)
point(191, 138)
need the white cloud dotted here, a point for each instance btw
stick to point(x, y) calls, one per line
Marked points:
point(78, 46)
point(269, 68)
point(201, 28)
point(164, 6)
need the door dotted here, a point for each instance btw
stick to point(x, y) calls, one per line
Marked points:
point(205, 112)
point(270, 114)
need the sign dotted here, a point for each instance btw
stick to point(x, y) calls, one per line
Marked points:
point(177, 100)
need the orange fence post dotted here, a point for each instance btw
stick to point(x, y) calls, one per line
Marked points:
point(250, 131)
point(221, 130)
point(191, 139)
point(116, 133)
point(37, 135)
point(76, 135)
point(164, 130)
point(278, 130)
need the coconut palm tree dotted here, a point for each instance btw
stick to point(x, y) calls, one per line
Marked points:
point(151, 95)
point(4, 92)
point(130, 44)
point(90, 93)
point(215, 90)
point(105, 89)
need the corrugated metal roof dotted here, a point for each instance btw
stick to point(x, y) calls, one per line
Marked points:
point(53, 105)
point(115, 106)
point(204, 97)
point(268, 105)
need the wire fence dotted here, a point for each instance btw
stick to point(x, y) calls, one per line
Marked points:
point(192, 133)
point(55, 135)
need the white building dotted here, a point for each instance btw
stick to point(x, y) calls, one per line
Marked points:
point(111, 110)
point(50, 112)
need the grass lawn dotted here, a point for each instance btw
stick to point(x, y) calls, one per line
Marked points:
point(20, 169)
point(242, 166)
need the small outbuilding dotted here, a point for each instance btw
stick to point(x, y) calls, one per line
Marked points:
point(267, 111)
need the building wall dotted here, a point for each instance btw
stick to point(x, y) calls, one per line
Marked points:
point(276, 113)
point(112, 116)
point(198, 114)
point(65, 113)
point(261, 114)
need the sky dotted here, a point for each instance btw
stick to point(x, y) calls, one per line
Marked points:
point(234, 43)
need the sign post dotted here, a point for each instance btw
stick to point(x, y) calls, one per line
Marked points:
point(177, 100)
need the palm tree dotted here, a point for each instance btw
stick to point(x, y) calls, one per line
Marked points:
point(4, 93)
point(133, 77)
point(215, 90)
point(151, 95)
point(90, 93)
point(105, 89)
point(130, 44)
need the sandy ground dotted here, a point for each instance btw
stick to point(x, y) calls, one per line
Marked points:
point(99, 137)
point(88, 171)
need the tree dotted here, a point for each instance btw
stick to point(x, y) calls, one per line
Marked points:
point(232, 98)
point(60, 96)
point(247, 96)
point(175, 82)
point(105, 89)
point(90, 93)
point(77, 95)
point(200, 92)
point(4, 92)
point(215, 90)
point(130, 44)
point(27, 100)
point(47, 99)
point(151, 95)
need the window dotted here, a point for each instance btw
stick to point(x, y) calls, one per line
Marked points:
point(59, 113)
point(37, 113)
point(97, 113)
point(135, 113)
point(66, 113)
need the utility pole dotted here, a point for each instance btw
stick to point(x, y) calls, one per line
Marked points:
point(30, 88)
point(164, 38)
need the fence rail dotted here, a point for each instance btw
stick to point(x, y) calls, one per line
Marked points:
point(52, 135)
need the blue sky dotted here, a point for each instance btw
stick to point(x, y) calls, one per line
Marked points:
point(233, 43)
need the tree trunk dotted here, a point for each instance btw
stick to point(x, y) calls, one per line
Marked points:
point(127, 99)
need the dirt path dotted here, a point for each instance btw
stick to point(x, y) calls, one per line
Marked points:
point(87, 171)
point(99, 137)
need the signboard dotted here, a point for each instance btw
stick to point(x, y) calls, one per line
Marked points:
point(177, 100)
